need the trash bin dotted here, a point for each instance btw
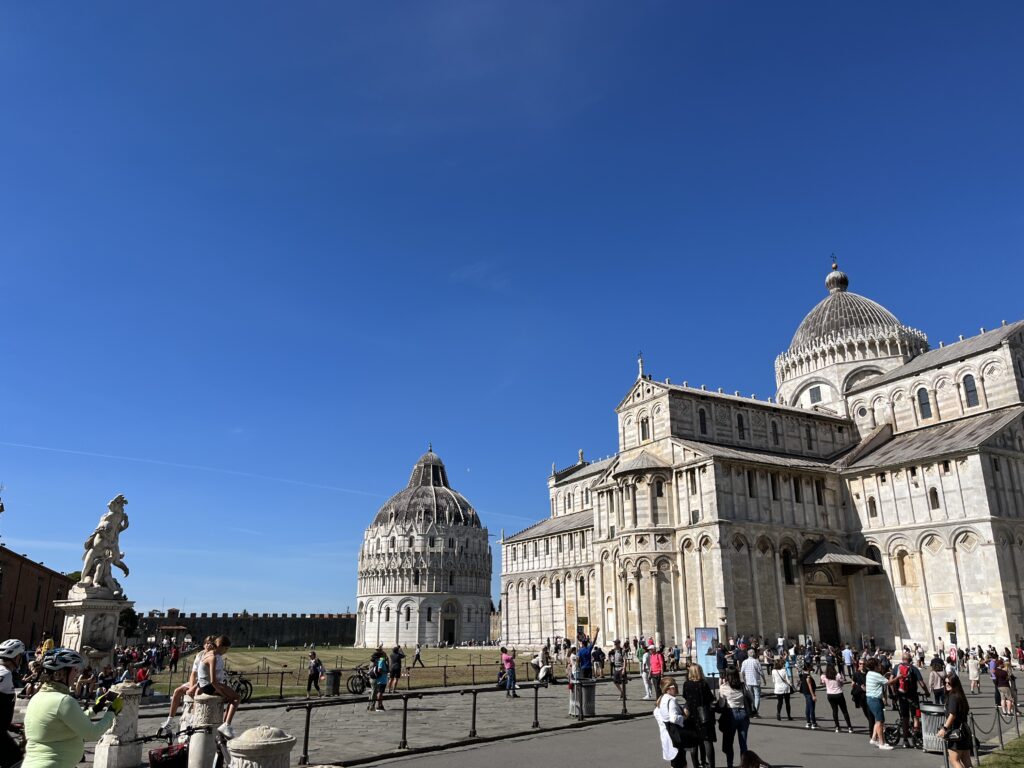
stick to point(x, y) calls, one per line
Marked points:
point(332, 682)
point(587, 690)
point(932, 718)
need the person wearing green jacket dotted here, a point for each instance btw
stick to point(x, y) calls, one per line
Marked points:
point(55, 724)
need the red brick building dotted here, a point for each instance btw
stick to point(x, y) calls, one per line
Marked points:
point(27, 592)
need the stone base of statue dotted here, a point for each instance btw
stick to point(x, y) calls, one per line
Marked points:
point(91, 616)
point(261, 747)
point(115, 748)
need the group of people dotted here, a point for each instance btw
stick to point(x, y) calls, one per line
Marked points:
point(208, 676)
point(56, 725)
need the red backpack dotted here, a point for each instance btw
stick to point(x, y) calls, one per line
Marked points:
point(903, 678)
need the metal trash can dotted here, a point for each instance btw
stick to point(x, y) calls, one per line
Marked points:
point(588, 689)
point(332, 682)
point(932, 718)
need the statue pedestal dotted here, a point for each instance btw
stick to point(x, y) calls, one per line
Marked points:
point(90, 623)
point(207, 712)
point(261, 747)
point(115, 748)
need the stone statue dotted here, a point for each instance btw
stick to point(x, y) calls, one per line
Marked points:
point(103, 549)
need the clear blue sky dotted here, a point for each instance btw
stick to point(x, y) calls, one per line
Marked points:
point(256, 255)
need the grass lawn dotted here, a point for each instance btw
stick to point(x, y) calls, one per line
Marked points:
point(264, 668)
point(1011, 757)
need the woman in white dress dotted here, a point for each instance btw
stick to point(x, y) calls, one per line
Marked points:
point(668, 710)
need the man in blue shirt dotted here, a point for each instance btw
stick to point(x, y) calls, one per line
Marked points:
point(585, 656)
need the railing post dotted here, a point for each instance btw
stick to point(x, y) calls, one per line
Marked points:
point(623, 712)
point(536, 693)
point(472, 714)
point(472, 669)
point(999, 725)
point(444, 674)
point(974, 739)
point(403, 744)
point(577, 692)
point(304, 757)
point(280, 691)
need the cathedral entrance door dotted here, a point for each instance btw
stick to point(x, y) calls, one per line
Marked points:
point(828, 621)
point(448, 632)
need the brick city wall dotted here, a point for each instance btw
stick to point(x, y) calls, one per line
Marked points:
point(256, 628)
point(27, 592)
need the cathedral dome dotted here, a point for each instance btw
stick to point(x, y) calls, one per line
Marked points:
point(842, 314)
point(428, 499)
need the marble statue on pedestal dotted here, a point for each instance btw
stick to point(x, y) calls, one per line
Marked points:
point(103, 550)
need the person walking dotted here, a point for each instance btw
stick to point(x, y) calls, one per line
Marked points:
point(810, 691)
point(955, 729)
point(783, 687)
point(700, 706)
point(416, 658)
point(316, 668)
point(667, 711)
point(974, 672)
point(645, 672)
point(753, 677)
point(937, 681)
point(734, 720)
point(874, 685)
point(833, 682)
point(657, 662)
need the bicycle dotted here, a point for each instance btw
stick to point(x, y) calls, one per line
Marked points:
point(240, 685)
point(893, 734)
point(359, 680)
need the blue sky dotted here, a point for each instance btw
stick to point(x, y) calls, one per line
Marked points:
point(256, 255)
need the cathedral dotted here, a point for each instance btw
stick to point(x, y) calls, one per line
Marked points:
point(424, 567)
point(880, 494)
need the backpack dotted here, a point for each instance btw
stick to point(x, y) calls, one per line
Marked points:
point(903, 678)
point(802, 684)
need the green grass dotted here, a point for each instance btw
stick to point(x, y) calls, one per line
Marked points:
point(263, 667)
point(1011, 757)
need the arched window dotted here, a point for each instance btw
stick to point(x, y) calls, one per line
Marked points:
point(558, 588)
point(775, 433)
point(430, 614)
point(410, 542)
point(970, 391)
point(924, 405)
point(702, 417)
point(416, 577)
point(408, 613)
point(533, 592)
point(933, 498)
point(371, 614)
point(387, 613)
point(788, 572)
point(645, 428)
point(902, 569)
point(583, 586)
point(659, 488)
point(391, 545)
point(451, 578)
point(741, 427)
point(872, 507)
point(469, 615)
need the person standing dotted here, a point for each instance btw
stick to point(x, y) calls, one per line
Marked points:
point(833, 682)
point(809, 690)
point(668, 711)
point(395, 669)
point(874, 686)
point(700, 712)
point(783, 687)
point(11, 653)
point(753, 678)
point(937, 681)
point(733, 721)
point(956, 723)
point(316, 668)
point(617, 659)
point(657, 666)
point(848, 660)
point(508, 661)
point(645, 672)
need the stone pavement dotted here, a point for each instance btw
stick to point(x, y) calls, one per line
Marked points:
point(349, 733)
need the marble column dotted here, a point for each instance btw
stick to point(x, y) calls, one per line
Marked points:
point(207, 714)
point(261, 747)
point(115, 748)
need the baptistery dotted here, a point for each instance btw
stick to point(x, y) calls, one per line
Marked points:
point(424, 566)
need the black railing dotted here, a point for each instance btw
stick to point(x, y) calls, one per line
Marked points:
point(403, 742)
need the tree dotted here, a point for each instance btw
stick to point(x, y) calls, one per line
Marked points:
point(128, 622)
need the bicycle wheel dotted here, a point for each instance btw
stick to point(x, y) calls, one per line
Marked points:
point(359, 686)
point(350, 684)
point(892, 735)
point(246, 691)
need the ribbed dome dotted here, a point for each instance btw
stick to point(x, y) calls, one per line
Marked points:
point(428, 499)
point(842, 313)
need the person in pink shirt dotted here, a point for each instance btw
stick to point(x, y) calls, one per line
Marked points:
point(508, 661)
point(657, 665)
point(833, 682)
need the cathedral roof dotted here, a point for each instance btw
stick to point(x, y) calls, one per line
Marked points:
point(553, 525)
point(946, 439)
point(428, 499)
point(842, 313)
point(935, 358)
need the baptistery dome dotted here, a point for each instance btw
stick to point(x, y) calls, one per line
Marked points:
point(428, 498)
point(845, 340)
point(424, 566)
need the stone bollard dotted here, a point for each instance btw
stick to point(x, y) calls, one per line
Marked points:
point(114, 749)
point(207, 712)
point(261, 747)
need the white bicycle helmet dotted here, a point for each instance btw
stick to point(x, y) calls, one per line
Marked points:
point(62, 658)
point(11, 649)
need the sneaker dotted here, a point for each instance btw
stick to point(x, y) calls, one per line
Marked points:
point(837, 730)
point(807, 726)
point(814, 726)
point(849, 729)
point(884, 747)
point(872, 742)
point(226, 730)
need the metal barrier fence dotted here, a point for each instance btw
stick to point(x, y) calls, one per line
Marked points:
point(403, 743)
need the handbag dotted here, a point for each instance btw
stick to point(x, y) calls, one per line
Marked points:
point(681, 738)
point(954, 734)
point(704, 714)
